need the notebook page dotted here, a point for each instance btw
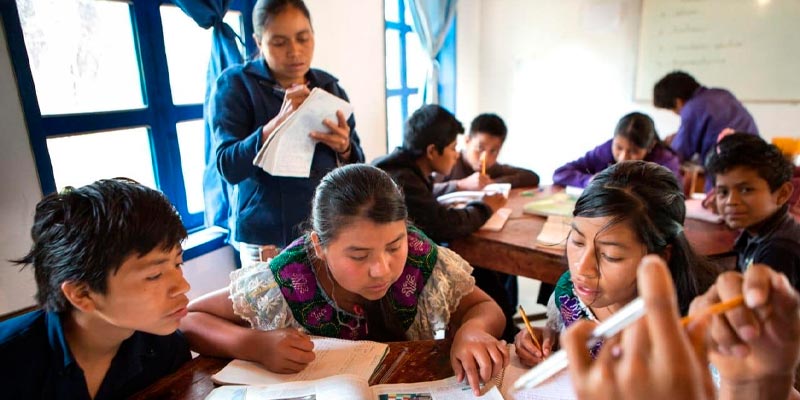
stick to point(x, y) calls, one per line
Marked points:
point(558, 387)
point(333, 357)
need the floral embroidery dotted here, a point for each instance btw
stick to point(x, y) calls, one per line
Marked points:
point(312, 308)
point(569, 305)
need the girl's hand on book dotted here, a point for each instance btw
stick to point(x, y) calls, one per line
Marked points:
point(757, 345)
point(285, 350)
point(292, 98)
point(526, 350)
point(477, 356)
point(338, 138)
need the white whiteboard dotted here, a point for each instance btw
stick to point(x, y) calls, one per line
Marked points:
point(751, 47)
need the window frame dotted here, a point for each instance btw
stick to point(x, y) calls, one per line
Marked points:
point(447, 66)
point(159, 115)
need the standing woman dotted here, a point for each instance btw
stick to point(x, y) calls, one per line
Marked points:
point(249, 101)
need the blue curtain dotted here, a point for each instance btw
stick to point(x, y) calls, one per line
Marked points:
point(224, 53)
point(432, 20)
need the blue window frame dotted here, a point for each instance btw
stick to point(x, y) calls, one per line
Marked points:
point(406, 67)
point(158, 116)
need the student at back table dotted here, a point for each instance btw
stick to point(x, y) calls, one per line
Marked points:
point(107, 259)
point(753, 187)
point(635, 138)
point(487, 133)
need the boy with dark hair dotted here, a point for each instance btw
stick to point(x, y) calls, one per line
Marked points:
point(487, 133)
point(429, 145)
point(107, 260)
point(705, 113)
point(752, 183)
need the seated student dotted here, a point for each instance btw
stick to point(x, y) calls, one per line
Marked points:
point(631, 209)
point(753, 185)
point(635, 138)
point(755, 348)
point(360, 273)
point(429, 145)
point(487, 133)
point(107, 259)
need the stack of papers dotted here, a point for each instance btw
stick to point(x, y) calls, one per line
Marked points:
point(290, 150)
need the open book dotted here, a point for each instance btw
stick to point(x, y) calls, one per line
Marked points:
point(466, 196)
point(290, 150)
point(351, 387)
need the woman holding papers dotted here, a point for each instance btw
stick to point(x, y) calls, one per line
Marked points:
point(249, 102)
point(629, 210)
point(635, 138)
point(361, 272)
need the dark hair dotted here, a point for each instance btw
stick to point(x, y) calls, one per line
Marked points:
point(639, 129)
point(747, 150)
point(675, 85)
point(431, 124)
point(82, 234)
point(360, 191)
point(265, 10)
point(490, 124)
point(648, 198)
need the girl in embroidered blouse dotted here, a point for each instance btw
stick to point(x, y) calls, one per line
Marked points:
point(629, 210)
point(359, 273)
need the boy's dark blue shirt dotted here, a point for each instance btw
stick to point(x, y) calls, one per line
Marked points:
point(776, 243)
point(36, 363)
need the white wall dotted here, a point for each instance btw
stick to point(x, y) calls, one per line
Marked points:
point(19, 194)
point(350, 45)
point(561, 73)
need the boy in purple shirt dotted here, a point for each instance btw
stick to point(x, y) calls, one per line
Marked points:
point(705, 113)
point(635, 138)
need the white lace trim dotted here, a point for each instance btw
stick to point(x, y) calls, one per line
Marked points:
point(258, 300)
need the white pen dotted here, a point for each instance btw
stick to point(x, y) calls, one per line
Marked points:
point(558, 361)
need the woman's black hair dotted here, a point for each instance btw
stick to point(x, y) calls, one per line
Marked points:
point(360, 191)
point(265, 10)
point(648, 198)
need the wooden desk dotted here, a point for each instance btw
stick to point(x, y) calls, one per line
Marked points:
point(513, 250)
point(406, 362)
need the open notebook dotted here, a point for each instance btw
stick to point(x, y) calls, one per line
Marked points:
point(558, 387)
point(290, 150)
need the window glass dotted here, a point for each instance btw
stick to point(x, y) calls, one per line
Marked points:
point(188, 49)
point(393, 59)
point(82, 55)
point(417, 62)
point(391, 10)
point(84, 158)
point(192, 143)
point(394, 121)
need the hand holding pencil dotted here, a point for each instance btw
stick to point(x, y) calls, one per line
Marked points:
point(755, 347)
point(528, 347)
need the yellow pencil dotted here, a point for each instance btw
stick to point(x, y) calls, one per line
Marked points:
point(715, 309)
point(483, 163)
point(530, 329)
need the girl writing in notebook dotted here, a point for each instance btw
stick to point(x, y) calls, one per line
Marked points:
point(248, 103)
point(631, 209)
point(360, 272)
point(635, 138)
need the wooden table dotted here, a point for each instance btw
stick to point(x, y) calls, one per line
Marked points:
point(406, 362)
point(514, 251)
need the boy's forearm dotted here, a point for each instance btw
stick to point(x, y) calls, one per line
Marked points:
point(214, 336)
point(777, 387)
